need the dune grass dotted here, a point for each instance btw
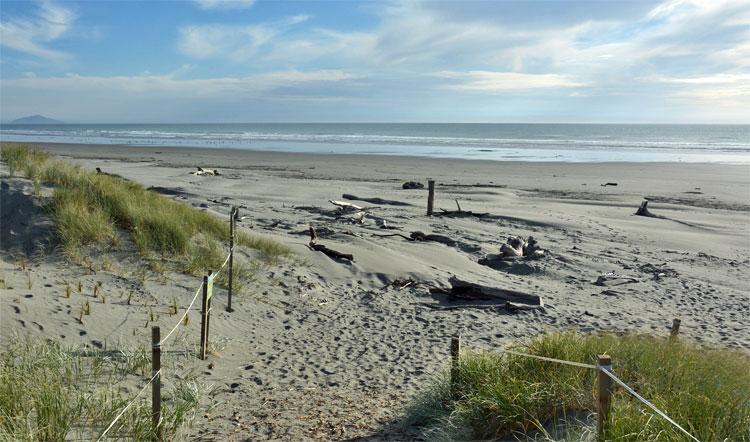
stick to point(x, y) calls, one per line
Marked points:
point(52, 393)
point(91, 208)
point(500, 395)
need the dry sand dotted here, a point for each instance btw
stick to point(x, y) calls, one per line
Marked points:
point(321, 349)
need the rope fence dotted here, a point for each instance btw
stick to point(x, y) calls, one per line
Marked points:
point(604, 390)
point(205, 287)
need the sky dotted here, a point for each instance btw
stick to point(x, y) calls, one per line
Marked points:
point(673, 61)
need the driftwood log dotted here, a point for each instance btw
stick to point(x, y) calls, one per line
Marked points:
point(412, 185)
point(643, 210)
point(459, 212)
point(469, 291)
point(421, 236)
point(382, 201)
point(325, 250)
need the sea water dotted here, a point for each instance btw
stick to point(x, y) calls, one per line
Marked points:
point(509, 142)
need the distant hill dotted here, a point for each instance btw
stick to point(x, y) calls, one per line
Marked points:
point(36, 119)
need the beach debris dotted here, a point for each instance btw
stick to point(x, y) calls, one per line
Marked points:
point(643, 210)
point(421, 236)
point(514, 255)
point(325, 250)
point(347, 207)
point(412, 185)
point(347, 196)
point(206, 172)
point(609, 184)
point(468, 291)
point(612, 279)
point(459, 212)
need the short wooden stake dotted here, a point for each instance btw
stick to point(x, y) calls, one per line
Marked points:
point(675, 329)
point(455, 354)
point(204, 319)
point(156, 383)
point(604, 393)
point(430, 196)
point(232, 215)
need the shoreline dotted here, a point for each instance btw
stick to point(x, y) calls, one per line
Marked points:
point(269, 151)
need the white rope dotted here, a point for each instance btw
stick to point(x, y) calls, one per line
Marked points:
point(128, 406)
point(542, 358)
point(642, 399)
point(225, 262)
point(183, 316)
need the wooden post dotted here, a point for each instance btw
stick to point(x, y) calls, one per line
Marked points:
point(232, 215)
point(455, 354)
point(204, 318)
point(430, 196)
point(675, 329)
point(156, 383)
point(604, 393)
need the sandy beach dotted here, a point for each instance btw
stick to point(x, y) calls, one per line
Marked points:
point(328, 350)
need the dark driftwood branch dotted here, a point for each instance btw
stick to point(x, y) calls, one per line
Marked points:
point(420, 236)
point(325, 250)
point(643, 211)
point(510, 306)
point(466, 290)
point(347, 196)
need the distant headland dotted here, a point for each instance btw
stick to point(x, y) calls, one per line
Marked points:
point(36, 119)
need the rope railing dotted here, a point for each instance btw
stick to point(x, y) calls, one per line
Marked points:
point(604, 369)
point(159, 345)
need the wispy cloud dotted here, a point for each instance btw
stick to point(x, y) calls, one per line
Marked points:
point(225, 4)
point(31, 35)
point(504, 82)
point(236, 43)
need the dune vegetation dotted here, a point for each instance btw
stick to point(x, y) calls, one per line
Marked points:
point(49, 392)
point(94, 210)
point(499, 395)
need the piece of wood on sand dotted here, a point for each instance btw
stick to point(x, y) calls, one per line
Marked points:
point(376, 200)
point(325, 250)
point(643, 210)
point(459, 213)
point(421, 236)
point(511, 300)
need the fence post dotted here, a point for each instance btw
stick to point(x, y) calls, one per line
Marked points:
point(232, 215)
point(430, 196)
point(204, 318)
point(675, 329)
point(604, 393)
point(156, 383)
point(455, 354)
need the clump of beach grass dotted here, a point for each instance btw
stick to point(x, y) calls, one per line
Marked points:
point(91, 209)
point(51, 392)
point(499, 395)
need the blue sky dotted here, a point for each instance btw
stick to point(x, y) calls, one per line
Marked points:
point(673, 61)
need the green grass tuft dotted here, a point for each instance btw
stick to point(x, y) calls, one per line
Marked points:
point(500, 395)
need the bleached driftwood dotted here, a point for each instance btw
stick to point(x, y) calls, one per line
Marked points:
point(206, 172)
point(347, 206)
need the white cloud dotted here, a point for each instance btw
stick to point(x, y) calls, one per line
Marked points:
point(30, 35)
point(504, 82)
point(236, 43)
point(225, 4)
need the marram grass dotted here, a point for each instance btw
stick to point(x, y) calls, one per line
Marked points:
point(91, 209)
point(53, 393)
point(707, 391)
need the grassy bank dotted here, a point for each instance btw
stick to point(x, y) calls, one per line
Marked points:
point(52, 393)
point(500, 395)
point(92, 209)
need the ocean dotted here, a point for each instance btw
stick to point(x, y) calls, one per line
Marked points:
point(509, 142)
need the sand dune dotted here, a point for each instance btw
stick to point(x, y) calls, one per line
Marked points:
point(324, 349)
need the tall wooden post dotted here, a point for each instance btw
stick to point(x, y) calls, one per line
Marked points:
point(455, 354)
point(604, 394)
point(204, 318)
point(675, 329)
point(156, 383)
point(232, 215)
point(430, 196)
